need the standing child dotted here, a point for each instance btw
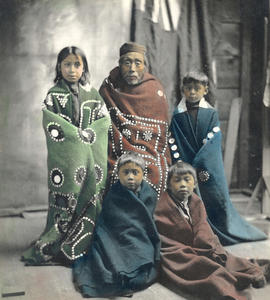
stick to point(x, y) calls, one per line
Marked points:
point(196, 139)
point(124, 251)
point(192, 257)
point(76, 122)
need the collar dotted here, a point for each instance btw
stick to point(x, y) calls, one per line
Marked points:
point(182, 106)
point(176, 201)
point(75, 86)
point(138, 189)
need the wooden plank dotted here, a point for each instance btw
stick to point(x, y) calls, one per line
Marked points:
point(254, 197)
point(266, 160)
point(224, 102)
point(12, 291)
point(228, 75)
point(244, 131)
point(266, 122)
point(231, 139)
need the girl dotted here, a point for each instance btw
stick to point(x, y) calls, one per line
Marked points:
point(76, 122)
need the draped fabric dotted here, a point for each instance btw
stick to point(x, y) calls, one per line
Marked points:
point(201, 147)
point(162, 48)
point(77, 168)
point(124, 252)
point(195, 42)
point(139, 116)
point(183, 45)
point(192, 257)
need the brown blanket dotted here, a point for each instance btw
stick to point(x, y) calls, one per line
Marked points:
point(139, 123)
point(193, 258)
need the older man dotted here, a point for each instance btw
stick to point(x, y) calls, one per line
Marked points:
point(139, 112)
point(139, 115)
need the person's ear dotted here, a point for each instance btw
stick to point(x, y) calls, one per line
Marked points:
point(206, 90)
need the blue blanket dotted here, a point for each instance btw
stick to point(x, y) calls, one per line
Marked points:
point(201, 147)
point(124, 251)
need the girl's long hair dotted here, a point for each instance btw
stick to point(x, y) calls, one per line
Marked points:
point(85, 78)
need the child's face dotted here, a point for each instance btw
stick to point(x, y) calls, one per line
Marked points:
point(130, 176)
point(194, 91)
point(72, 68)
point(181, 185)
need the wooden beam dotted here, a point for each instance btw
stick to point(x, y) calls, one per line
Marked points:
point(266, 160)
point(231, 139)
point(245, 93)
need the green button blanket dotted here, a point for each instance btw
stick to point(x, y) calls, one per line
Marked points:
point(77, 169)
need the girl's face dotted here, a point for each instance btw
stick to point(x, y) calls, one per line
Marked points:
point(72, 68)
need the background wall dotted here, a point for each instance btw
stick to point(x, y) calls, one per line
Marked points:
point(32, 33)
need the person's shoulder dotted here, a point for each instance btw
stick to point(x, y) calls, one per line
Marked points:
point(196, 201)
point(58, 87)
point(146, 186)
point(145, 183)
point(205, 104)
point(57, 90)
point(150, 77)
point(116, 186)
point(195, 198)
point(115, 190)
point(91, 93)
point(111, 81)
point(208, 109)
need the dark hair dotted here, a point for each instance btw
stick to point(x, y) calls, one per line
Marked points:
point(181, 168)
point(85, 78)
point(197, 76)
point(129, 157)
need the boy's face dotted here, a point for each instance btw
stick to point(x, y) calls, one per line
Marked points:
point(181, 186)
point(130, 176)
point(194, 91)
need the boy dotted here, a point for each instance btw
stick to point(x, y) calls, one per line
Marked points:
point(125, 247)
point(191, 254)
point(196, 139)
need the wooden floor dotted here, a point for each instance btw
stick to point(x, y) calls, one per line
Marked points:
point(55, 282)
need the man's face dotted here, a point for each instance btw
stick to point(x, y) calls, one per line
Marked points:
point(130, 176)
point(181, 186)
point(132, 67)
point(194, 91)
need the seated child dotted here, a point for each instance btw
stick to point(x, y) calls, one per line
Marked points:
point(192, 257)
point(125, 247)
point(196, 139)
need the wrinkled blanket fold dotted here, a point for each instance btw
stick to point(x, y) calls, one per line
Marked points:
point(77, 167)
point(124, 251)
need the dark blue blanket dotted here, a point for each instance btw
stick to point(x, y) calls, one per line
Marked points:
point(124, 251)
point(201, 147)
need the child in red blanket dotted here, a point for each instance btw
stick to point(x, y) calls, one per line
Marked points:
point(192, 256)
